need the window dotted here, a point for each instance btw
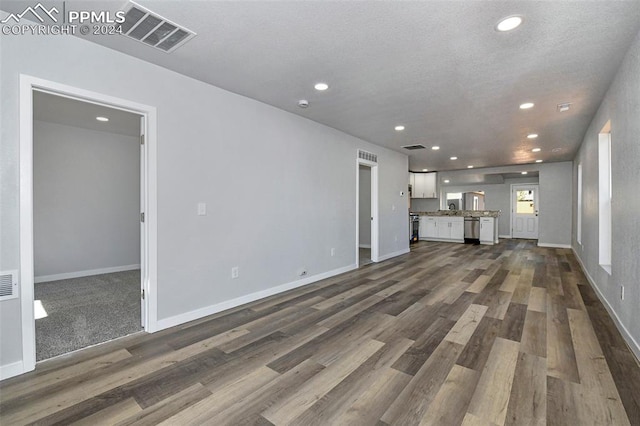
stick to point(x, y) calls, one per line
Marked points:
point(524, 203)
point(604, 197)
point(579, 212)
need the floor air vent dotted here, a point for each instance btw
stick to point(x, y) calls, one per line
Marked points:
point(8, 285)
point(364, 155)
point(147, 27)
point(412, 147)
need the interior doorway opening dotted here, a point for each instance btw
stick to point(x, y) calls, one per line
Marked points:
point(147, 283)
point(366, 212)
point(364, 243)
point(86, 223)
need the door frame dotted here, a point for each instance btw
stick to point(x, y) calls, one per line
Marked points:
point(374, 210)
point(513, 206)
point(148, 199)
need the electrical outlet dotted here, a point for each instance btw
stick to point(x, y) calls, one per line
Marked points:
point(235, 272)
point(333, 251)
point(621, 292)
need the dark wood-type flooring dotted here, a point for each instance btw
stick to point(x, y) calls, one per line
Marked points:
point(448, 334)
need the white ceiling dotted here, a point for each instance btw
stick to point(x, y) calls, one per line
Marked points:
point(437, 67)
point(72, 112)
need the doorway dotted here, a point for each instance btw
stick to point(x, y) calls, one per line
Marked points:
point(524, 219)
point(146, 317)
point(86, 223)
point(366, 212)
point(364, 253)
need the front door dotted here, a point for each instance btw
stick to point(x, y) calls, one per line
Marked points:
point(525, 212)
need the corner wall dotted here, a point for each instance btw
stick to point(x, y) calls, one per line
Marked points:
point(621, 105)
point(280, 189)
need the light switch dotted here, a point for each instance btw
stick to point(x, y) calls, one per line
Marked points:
point(202, 209)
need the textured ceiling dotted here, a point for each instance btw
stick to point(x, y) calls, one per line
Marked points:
point(437, 67)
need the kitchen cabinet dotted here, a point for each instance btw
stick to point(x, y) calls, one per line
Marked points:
point(423, 185)
point(488, 230)
point(450, 228)
point(428, 228)
point(437, 228)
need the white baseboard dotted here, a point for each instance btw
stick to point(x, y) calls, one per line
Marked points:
point(550, 245)
point(631, 342)
point(505, 236)
point(78, 274)
point(365, 246)
point(394, 254)
point(11, 370)
point(228, 304)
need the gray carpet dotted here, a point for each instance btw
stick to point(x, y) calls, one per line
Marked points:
point(85, 311)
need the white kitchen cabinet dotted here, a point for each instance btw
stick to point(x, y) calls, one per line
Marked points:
point(450, 229)
point(423, 185)
point(457, 228)
point(488, 230)
point(428, 227)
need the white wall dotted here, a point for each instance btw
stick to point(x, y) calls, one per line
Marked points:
point(86, 198)
point(554, 222)
point(622, 107)
point(365, 206)
point(280, 189)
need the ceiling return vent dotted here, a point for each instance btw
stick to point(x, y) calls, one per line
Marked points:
point(364, 155)
point(413, 147)
point(152, 29)
point(8, 285)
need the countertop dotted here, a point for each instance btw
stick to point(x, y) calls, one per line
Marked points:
point(461, 213)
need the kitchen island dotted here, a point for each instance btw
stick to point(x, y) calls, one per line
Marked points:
point(449, 225)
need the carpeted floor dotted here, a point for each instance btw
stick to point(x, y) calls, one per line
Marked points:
point(85, 311)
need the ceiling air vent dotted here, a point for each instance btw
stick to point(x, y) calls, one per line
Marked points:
point(147, 27)
point(364, 155)
point(412, 147)
point(8, 285)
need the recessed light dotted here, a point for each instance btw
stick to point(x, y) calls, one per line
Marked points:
point(524, 173)
point(526, 105)
point(453, 158)
point(469, 167)
point(303, 103)
point(435, 148)
point(509, 23)
point(532, 135)
point(446, 181)
point(536, 150)
point(425, 170)
point(102, 119)
point(538, 161)
point(399, 128)
point(564, 107)
point(321, 86)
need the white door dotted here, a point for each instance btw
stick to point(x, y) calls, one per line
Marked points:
point(524, 216)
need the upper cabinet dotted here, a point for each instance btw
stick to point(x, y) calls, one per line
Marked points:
point(423, 185)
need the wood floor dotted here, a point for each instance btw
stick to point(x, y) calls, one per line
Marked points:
point(448, 334)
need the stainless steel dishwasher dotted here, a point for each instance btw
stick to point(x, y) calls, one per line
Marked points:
point(472, 230)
